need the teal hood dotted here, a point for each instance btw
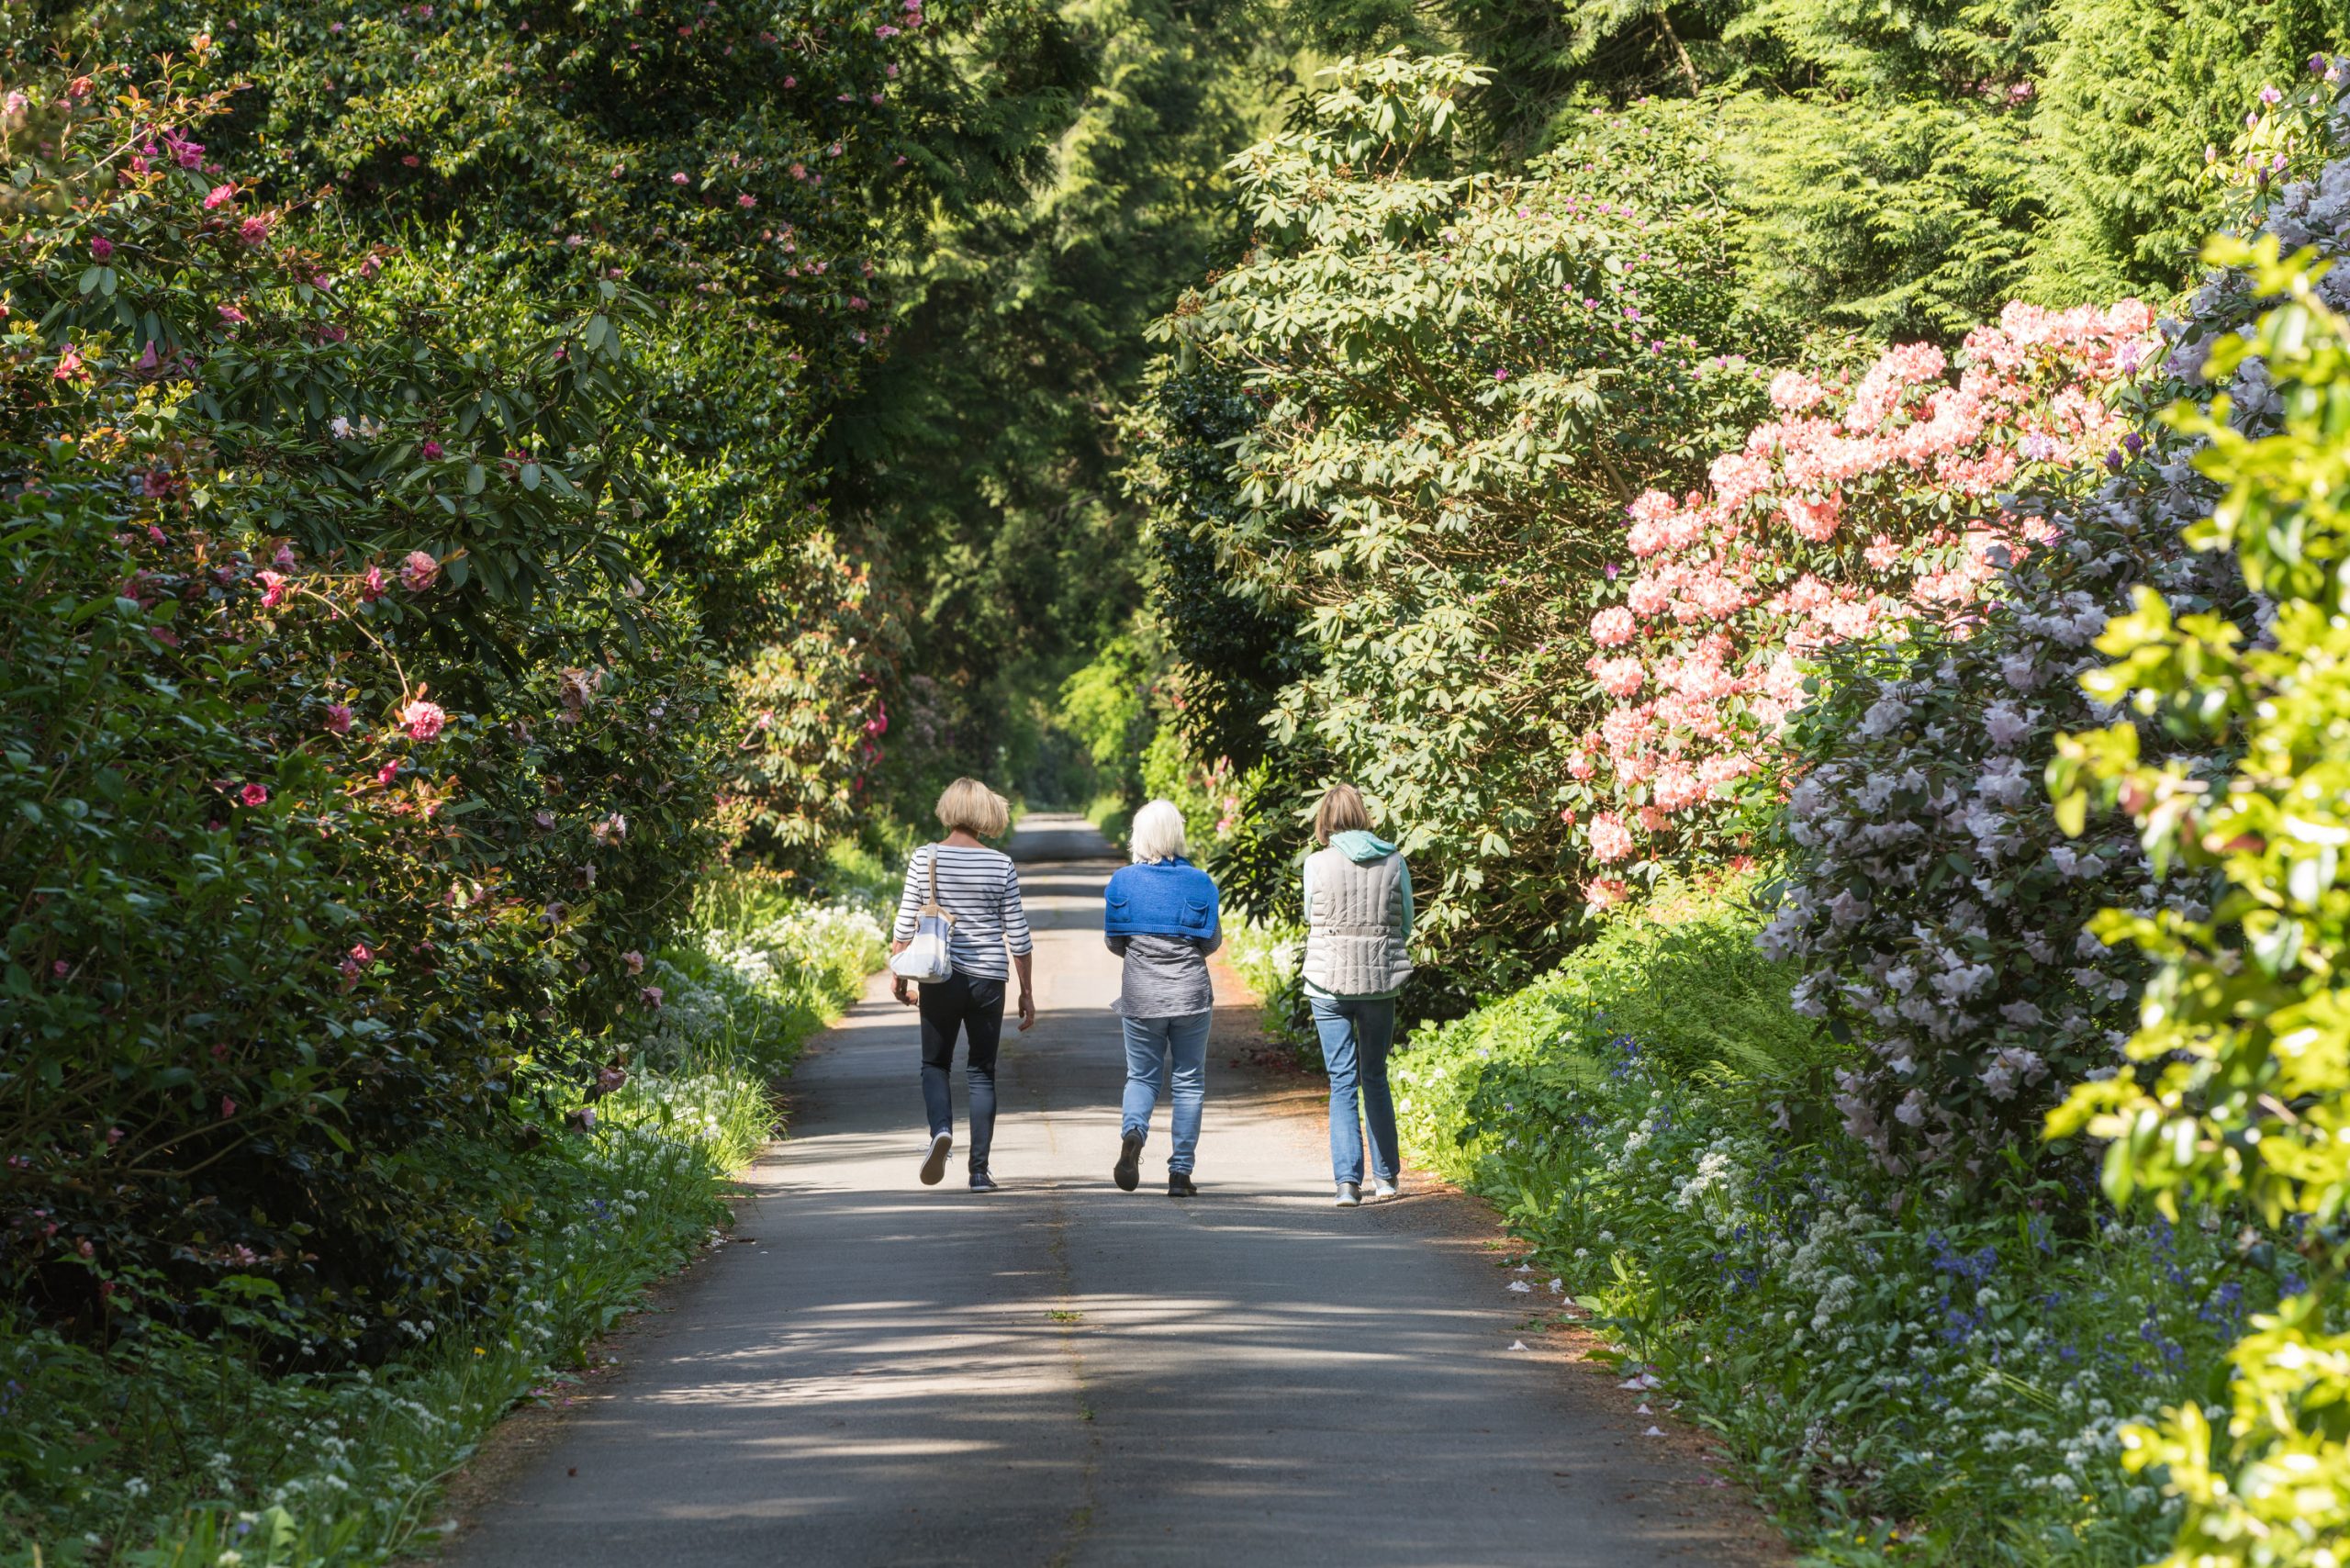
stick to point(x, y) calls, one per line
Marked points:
point(1362, 845)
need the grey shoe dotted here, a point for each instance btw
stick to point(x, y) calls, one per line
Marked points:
point(1350, 1194)
point(980, 1180)
point(934, 1164)
point(1382, 1187)
point(1127, 1172)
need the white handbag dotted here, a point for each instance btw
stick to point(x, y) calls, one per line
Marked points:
point(927, 960)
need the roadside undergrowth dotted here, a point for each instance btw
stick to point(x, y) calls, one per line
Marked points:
point(168, 1450)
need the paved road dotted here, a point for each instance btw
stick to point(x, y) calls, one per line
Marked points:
point(1064, 1375)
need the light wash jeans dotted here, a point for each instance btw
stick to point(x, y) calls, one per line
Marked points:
point(1356, 1033)
point(1150, 1042)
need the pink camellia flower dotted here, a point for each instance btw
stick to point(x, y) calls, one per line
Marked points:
point(254, 795)
point(17, 103)
point(792, 82)
point(389, 772)
point(746, 200)
point(219, 196)
point(339, 718)
point(69, 364)
point(253, 230)
point(274, 584)
point(283, 558)
point(634, 960)
point(232, 317)
point(100, 247)
point(228, 1107)
point(678, 178)
point(431, 449)
point(651, 996)
point(372, 585)
point(419, 572)
point(423, 720)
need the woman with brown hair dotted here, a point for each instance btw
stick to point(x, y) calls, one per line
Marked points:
point(1359, 930)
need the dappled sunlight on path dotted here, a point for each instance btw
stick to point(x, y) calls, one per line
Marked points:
point(1062, 1374)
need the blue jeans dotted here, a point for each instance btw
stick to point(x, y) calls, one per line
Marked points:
point(1356, 1033)
point(1149, 1043)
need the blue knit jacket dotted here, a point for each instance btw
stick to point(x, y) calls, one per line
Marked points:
point(1160, 898)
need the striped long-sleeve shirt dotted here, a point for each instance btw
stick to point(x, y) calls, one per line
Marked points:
point(980, 889)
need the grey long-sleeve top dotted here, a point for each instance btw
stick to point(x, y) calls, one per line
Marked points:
point(1166, 977)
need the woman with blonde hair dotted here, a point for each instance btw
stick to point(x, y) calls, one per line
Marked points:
point(1160, 915)
point(1357, 936)
point(978, 891)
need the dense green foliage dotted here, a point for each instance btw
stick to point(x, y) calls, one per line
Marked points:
point(342, 755)
point(1900, 1377)
point(204, 1449)
point(2245, 1033)
point(1459, 381)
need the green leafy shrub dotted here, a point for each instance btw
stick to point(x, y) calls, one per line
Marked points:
point(1899, 1376)
point(346, 750)
point(2243, 1094)
point(1459, 381)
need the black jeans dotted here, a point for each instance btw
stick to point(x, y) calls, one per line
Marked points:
point(973, 1006)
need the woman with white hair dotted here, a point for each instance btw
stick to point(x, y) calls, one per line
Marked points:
point(1161, 917)
point(978, 893)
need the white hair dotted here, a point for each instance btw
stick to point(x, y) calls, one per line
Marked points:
point(1158, 831)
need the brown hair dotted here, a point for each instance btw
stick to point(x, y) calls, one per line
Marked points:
point(1341, 810)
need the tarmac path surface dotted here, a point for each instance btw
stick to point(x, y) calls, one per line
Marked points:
point(1063, 1375)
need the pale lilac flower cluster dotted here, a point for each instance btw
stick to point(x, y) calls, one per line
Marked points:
point(1936, 908)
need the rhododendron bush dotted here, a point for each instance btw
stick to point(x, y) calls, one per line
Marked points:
point(1860, 510)
point(1458, 384)
point(1936, 907)
point(348, 749)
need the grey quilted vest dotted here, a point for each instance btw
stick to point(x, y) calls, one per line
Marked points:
point(1354, 939)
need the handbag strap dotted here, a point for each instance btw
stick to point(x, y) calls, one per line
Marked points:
point(934, 906)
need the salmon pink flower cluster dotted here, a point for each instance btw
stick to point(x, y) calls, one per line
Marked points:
point(1861, 508)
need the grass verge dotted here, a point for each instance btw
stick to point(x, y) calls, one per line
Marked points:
point(167, 1449)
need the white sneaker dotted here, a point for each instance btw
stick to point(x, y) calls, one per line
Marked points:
point(934, 1164)
point(1383, 1188)
point(1350, 1194)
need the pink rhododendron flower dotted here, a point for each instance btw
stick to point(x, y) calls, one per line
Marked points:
point(1602, 891)
point(1613, 627)
point(1610, 840)
point(423, 720)
point(431, 449)
point(100, 247)
point(419, 572)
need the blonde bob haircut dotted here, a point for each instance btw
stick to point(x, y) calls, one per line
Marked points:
point(1158, 831)
point(970, 806)
point(1341, 810)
